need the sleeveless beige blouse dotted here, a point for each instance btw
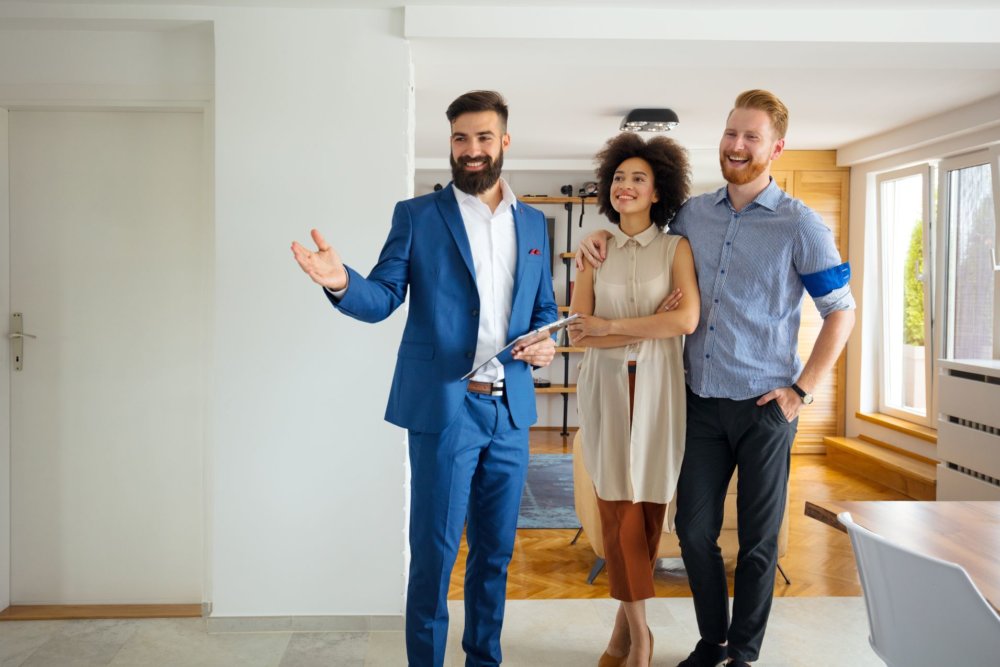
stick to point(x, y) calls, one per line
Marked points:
point(641, 463)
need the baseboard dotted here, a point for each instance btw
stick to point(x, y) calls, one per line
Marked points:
point(72, 612)
point(358, 623)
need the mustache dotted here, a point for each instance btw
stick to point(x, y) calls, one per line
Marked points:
point(464, 161)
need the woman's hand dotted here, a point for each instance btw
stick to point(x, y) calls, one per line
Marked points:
point(670, 302)
point(588, 325)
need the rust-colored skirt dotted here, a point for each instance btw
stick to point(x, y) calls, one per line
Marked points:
point(631, 534)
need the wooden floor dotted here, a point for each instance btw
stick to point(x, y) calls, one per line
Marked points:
point(819, 560)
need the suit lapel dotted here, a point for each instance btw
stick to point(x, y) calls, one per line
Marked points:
point(521, 229)
point(524, 243)
point(452, 216)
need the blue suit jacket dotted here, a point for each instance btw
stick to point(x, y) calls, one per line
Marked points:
point(428, 252)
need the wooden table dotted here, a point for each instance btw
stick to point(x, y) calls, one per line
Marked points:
point(963, 532)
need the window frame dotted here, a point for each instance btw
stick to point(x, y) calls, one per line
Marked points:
point(946, 256)
point(926, 170)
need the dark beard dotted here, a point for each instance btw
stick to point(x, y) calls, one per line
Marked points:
point(476, 183)
point(742, 176)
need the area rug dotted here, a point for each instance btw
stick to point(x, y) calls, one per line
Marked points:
point(548, 494)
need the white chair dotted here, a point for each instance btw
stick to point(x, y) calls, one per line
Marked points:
point(922, 611)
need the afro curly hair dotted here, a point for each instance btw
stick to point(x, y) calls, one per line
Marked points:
point(671, 173)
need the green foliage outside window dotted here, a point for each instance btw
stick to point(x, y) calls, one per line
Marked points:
point(913, 289)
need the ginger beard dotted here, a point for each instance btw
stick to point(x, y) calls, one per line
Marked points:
point(476, 182)
point(741, 175)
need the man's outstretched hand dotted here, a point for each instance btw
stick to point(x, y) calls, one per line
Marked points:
point(323, 265)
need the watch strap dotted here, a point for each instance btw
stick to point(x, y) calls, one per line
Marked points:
point(806, 397)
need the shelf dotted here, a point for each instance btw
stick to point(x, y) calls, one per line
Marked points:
point(559, 200)
point(556, 389)
point(564, 388)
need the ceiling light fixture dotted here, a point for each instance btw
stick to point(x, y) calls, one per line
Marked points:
point(649, 120)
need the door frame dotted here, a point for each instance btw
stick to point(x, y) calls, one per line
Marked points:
point(206, 109)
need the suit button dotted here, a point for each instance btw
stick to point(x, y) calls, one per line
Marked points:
point(468, 355)
point(475, 313)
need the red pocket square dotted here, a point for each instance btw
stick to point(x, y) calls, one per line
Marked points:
point(534, 251)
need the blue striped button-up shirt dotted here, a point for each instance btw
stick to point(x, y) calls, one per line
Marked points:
point(753, 267)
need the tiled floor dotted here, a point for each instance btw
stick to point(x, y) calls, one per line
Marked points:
point(813, 632)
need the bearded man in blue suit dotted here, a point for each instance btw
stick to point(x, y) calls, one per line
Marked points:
point(476, 263)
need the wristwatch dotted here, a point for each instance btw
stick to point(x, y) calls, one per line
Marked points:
point(806, 398)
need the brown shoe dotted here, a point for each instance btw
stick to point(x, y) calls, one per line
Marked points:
point(608, 660)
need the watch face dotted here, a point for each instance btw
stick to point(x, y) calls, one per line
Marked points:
point(807, 399)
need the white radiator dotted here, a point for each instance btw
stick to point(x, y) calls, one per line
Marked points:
point(969, 430)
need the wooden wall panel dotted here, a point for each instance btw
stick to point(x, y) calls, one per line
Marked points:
point(785, 180)
point(825, 190)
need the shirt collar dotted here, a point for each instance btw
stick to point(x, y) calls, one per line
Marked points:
point(507, 193)
point(769, 197)
point(643, 238)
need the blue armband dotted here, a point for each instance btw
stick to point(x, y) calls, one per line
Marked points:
point(823, 282)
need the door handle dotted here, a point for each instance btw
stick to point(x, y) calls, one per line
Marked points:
point(17, 337)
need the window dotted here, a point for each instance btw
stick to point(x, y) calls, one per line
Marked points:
point(905, 351)
point(969, 275)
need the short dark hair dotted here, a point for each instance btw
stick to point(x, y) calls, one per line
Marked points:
point(479, 100)
point(671, 173)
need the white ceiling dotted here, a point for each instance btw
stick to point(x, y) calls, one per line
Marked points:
point(845, 75)
point(570, 69)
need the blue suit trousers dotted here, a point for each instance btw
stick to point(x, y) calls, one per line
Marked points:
point(469, 475)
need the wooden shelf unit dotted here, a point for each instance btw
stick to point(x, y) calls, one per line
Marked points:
point(564, 348)
point(565, 390)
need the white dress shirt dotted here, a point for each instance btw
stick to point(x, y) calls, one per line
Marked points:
point(493, 240)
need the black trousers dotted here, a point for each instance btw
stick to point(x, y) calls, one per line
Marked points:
point(723, 435)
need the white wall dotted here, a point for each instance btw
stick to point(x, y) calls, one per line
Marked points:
point(123, 67)
point(311, 116)
point(959, 131)
point(312, 128)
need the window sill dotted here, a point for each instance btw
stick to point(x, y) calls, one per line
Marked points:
point(901, 425)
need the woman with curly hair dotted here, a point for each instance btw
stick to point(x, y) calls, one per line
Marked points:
point(631, 393)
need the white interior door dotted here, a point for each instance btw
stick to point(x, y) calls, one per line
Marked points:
point(110, 248)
